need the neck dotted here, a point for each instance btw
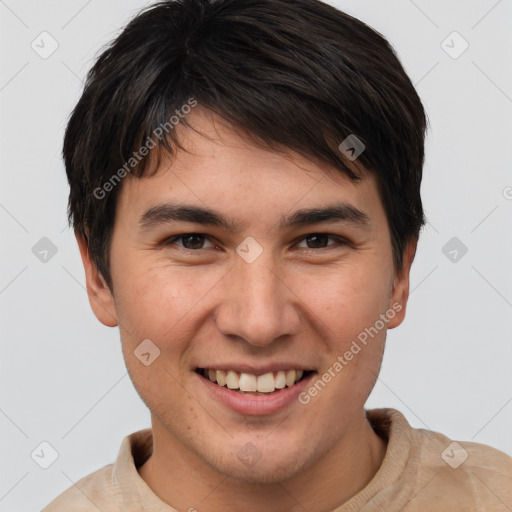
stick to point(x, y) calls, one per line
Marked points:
point(183, 481)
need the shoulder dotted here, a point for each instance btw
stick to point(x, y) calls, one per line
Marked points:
point(463, 471)
point(114, 487)
point(436, 450)
point(95, 491)
point(439, 450)
point(423, 467)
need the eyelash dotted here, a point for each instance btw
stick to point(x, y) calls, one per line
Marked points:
point(340, 241)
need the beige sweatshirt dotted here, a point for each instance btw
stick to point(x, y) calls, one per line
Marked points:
point(422, 471)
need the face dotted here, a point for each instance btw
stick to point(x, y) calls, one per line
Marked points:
point(259, 291)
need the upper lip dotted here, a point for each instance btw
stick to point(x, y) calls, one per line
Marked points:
point(255, 369)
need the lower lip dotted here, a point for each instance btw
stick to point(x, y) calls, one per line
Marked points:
point(256, 405)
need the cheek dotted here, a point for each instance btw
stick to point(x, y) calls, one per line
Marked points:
point(349, 299)
point(154, 304)
point(156, 300)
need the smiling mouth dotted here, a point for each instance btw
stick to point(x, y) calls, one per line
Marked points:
point(247, 383)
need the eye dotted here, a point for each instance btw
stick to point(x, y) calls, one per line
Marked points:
point(319, 241)
point(190, 241)
point(196, 241)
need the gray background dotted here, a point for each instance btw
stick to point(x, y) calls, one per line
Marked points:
point(447, 368)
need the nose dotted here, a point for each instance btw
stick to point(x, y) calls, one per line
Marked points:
point(258, 305)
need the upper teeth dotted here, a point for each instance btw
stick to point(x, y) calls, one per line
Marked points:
point(266, 383)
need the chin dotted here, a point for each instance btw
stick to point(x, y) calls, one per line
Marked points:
point(263, 474)
point(270, 468)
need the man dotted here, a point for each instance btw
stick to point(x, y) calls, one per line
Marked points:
point(245, 193)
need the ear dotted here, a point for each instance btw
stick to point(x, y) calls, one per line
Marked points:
point(100, 296)
point(400, 291)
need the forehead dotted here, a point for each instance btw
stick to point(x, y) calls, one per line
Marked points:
point(220, 167)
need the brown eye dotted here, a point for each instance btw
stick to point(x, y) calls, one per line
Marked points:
point(316, 241)
point(191, 241)
point(320, 241)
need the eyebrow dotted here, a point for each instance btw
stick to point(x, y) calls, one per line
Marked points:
point(168, 213)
